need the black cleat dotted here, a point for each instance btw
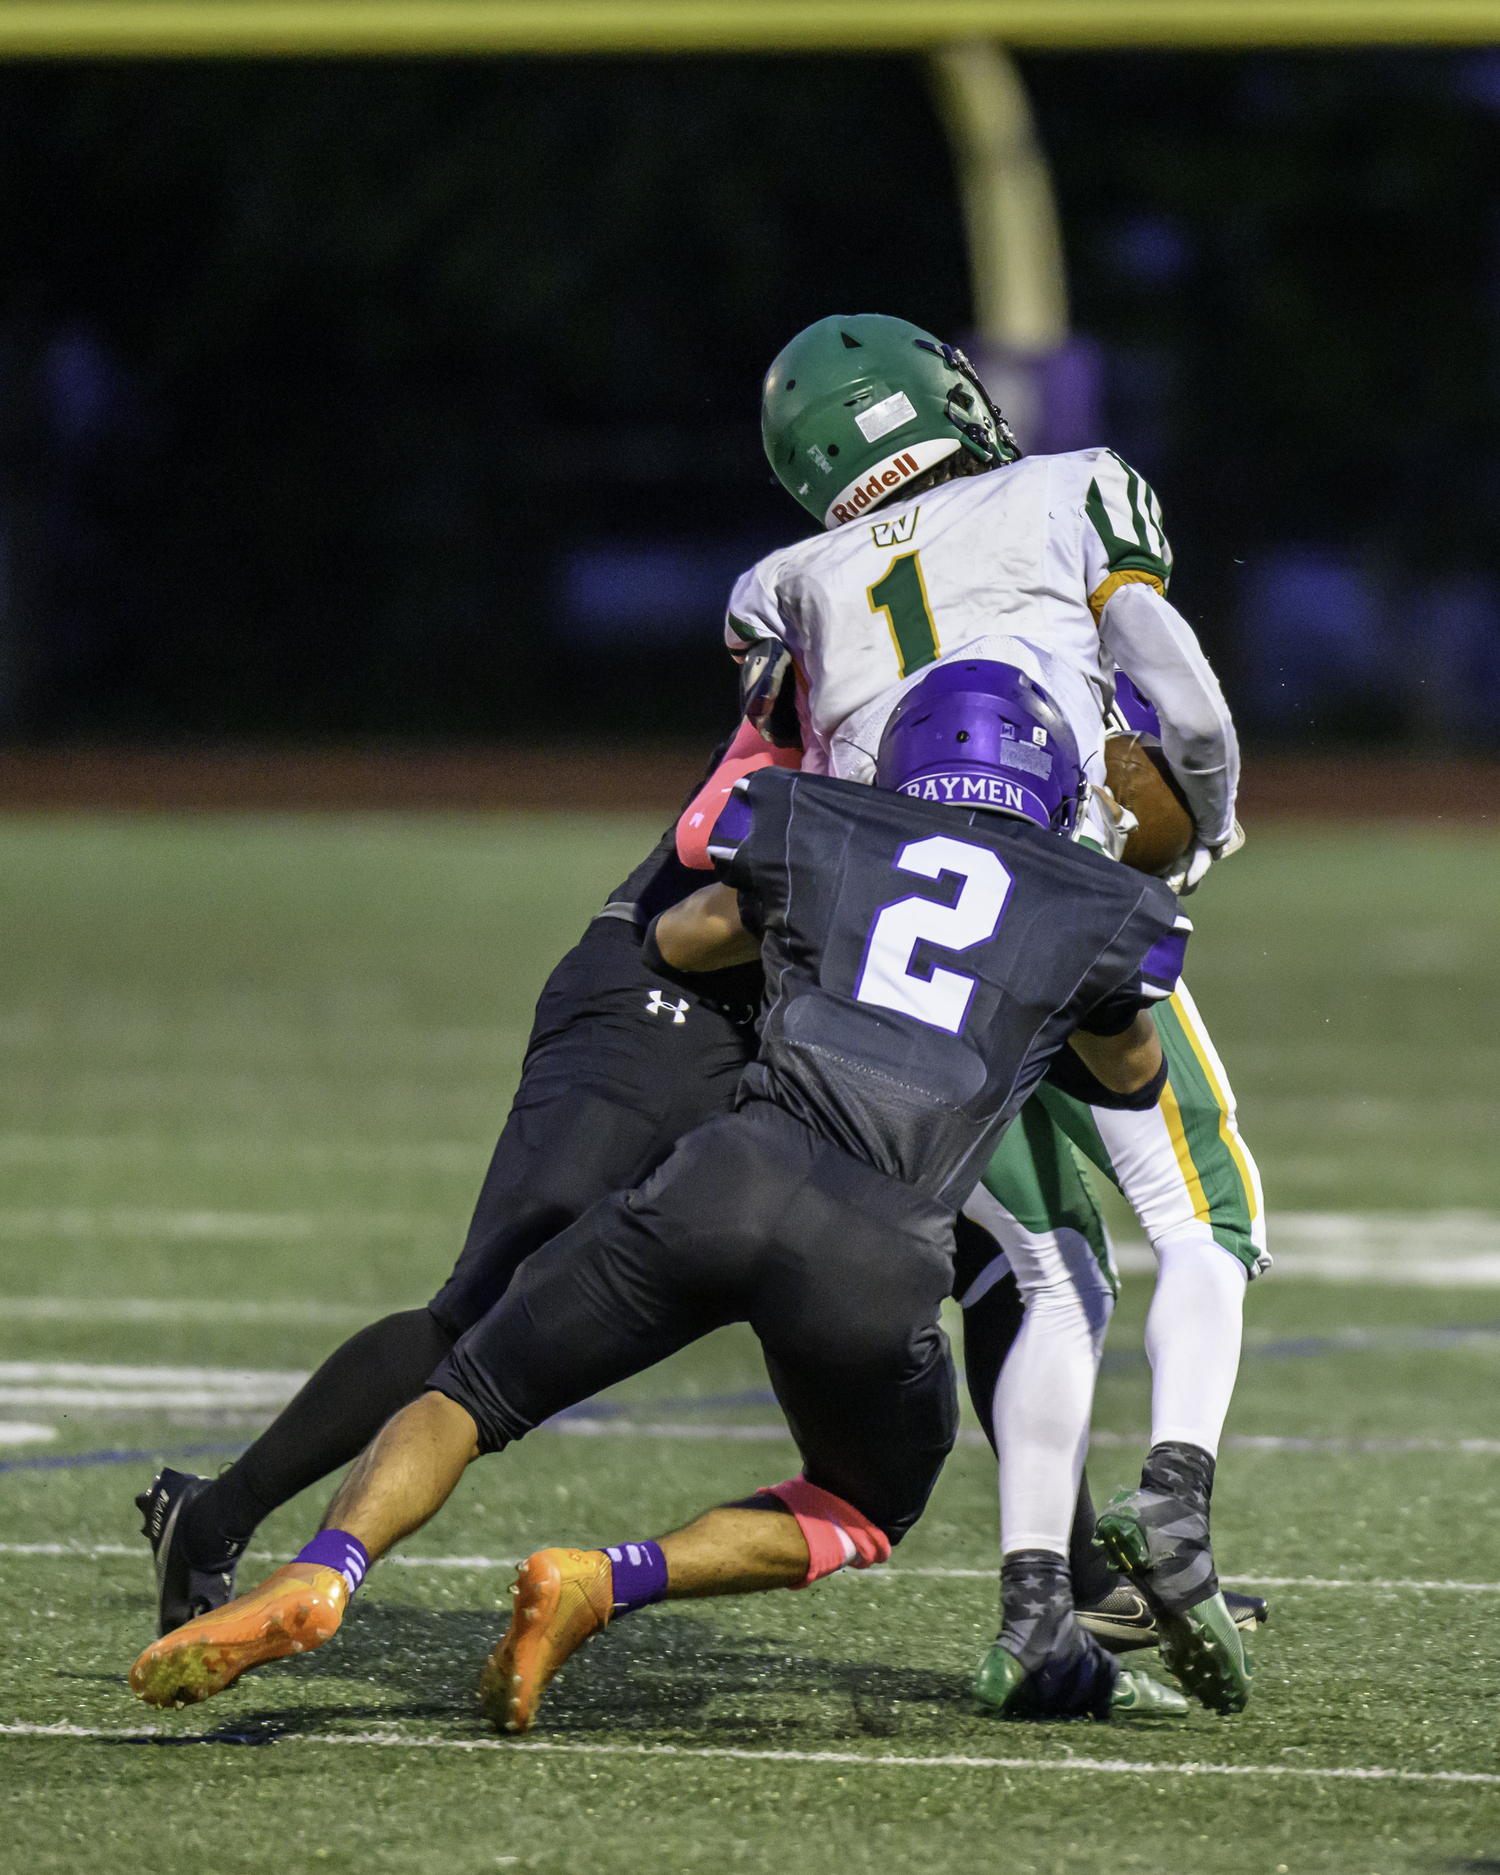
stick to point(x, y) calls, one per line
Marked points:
point(184, 1590)
point(1249, 1611)
point(1122, 1620)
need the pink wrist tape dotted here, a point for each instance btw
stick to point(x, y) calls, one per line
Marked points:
point(745, 754)
point(837, 1534)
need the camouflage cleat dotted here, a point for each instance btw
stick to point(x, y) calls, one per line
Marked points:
point(293, 1611)
point(1123, 1620)
point(1005, 1688)
point(563, 1597)
point(1157, 1543)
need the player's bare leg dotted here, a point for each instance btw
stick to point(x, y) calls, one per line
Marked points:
point(395, 1486)
point(563, 1597)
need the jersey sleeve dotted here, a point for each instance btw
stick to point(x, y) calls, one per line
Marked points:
point(753, 614)
point(731, 831)
point(1149, 639)
point(699, 822)
point(1124, 542)
point(1156, 980)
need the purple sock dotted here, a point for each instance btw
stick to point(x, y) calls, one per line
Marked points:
point(336, 1549)
point(640, 1575)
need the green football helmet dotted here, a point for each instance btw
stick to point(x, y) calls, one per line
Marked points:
point(854, 407)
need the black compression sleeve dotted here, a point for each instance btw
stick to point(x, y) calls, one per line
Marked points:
point(1067, 1071)
point(1112, 1015)
point(338, 1411)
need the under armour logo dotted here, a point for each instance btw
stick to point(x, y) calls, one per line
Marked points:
point(657, 1005)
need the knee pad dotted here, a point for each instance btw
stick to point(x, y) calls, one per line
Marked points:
point(837, 1534)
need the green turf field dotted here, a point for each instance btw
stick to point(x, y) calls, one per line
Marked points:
point(250, 1072)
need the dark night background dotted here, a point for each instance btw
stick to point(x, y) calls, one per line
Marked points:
point(347, 401)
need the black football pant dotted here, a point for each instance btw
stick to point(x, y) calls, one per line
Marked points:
point(619, 1066)
point(838, 1268)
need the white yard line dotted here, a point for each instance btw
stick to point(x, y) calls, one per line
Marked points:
point(83, 1387)
point(1438, 1249)
point(668, 1429)
point(1298, 1442)
point(106, 1400)
point(103, 1388)
point(18, 1432)
point(438, 1155)
point(1433, 1249)
point(256, 1380)
point(85, 1552)
point(944, 1761)
point(214, 1226)
point(143, 1309)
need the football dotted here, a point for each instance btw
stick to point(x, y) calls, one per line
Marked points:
point(1140, 780)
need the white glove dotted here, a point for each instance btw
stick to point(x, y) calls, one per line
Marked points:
point(1196, 861)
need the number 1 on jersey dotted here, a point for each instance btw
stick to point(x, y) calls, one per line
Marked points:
point(902, 595)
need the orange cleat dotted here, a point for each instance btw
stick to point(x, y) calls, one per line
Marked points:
point(563, 1597)
point(293, 1611)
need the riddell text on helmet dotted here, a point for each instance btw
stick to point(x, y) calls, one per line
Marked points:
point(873, 487)
point(880, 484)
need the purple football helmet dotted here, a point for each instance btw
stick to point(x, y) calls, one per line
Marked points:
point(982, 734)
point(1134, 710)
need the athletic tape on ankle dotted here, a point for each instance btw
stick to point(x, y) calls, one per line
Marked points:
point(837, 1534)
point(336, 1549)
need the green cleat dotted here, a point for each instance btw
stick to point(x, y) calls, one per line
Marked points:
point(1138, 1696)
point(1206, 1651)
point(1201, 1645)
point(1001, 1679)
point(1004, 1687)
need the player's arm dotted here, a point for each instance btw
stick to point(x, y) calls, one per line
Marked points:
point(702, 933)
point(1127, 1063)
point(769, 731)
point(1127, 565)
point(1150, 640)
point(745, 754)
point(1113, 1058)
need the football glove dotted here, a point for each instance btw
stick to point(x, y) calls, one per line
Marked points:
point(1195, 862)
point(768, 693)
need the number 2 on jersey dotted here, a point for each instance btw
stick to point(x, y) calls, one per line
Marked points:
point(902, 595)
point(941, 998)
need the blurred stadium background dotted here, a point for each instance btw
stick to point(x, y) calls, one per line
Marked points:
point(348, 399)
point(378, 428)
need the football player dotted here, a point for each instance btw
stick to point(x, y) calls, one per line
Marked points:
point(942, 544)
point(820, 1211)
point(619, 1066)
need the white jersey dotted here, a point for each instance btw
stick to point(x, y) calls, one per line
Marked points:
point(1064, 554)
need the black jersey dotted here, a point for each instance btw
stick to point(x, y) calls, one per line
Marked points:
point(924, 963)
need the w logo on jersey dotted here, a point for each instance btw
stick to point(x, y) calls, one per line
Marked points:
point(892, 533)
point(657, 1005)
